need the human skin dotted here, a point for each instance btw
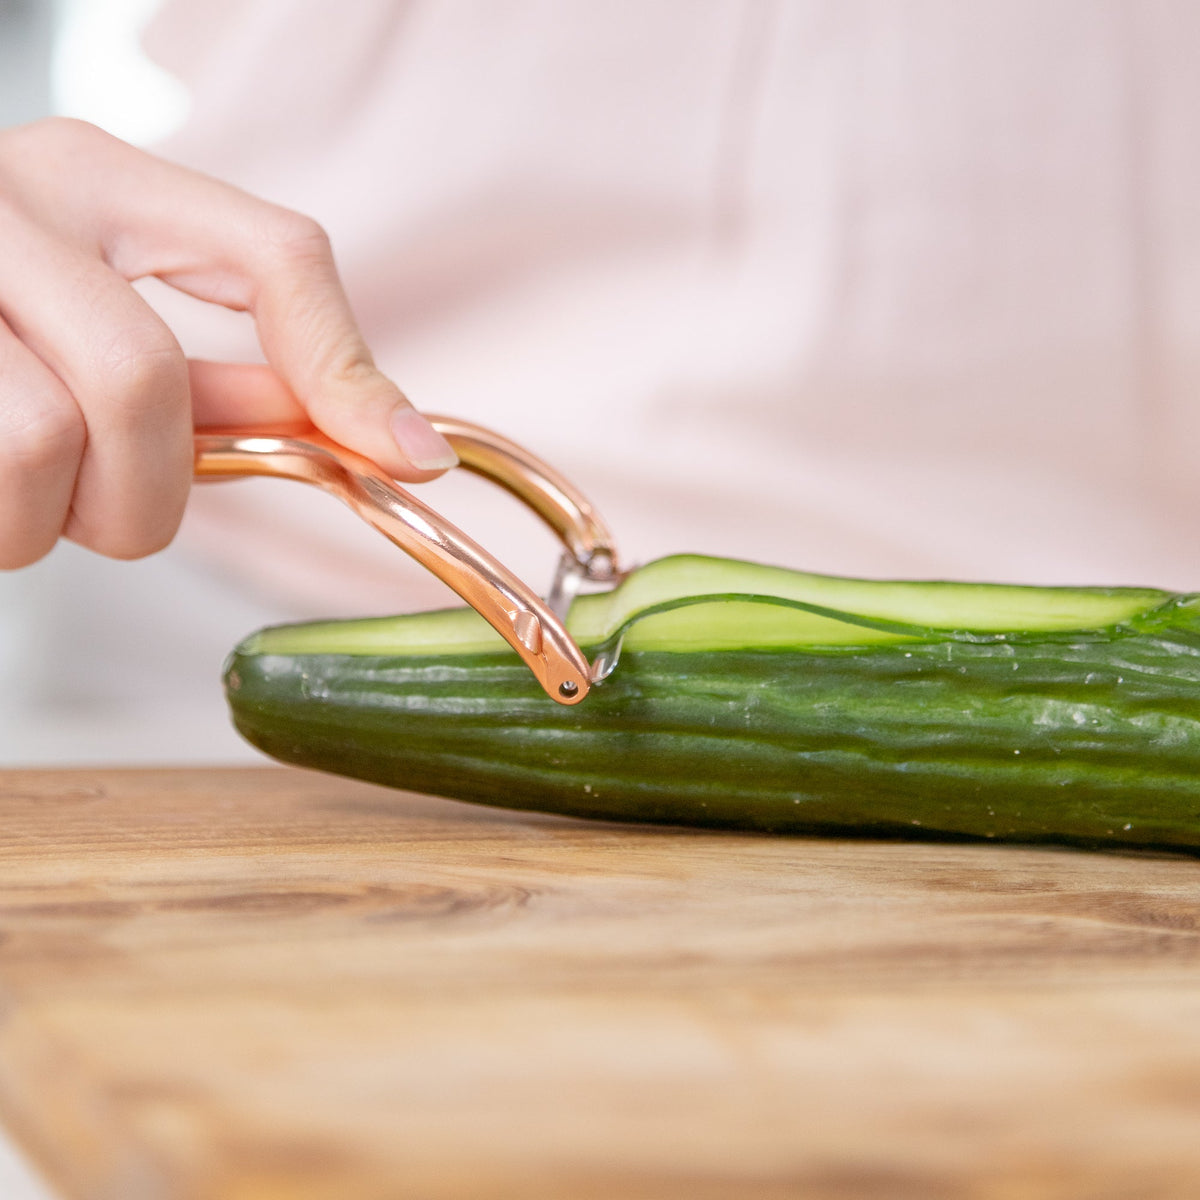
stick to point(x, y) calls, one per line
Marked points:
point(97, 400)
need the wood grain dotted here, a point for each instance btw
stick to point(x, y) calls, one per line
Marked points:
point(267, 984)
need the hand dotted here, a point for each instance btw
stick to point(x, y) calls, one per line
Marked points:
point(97, 402)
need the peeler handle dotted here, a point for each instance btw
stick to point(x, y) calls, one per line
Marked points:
point(535, 483)
point(508, 604)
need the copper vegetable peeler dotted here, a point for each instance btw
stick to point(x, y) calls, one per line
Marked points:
point(533, 627)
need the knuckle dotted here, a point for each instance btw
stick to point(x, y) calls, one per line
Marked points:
point(61, 134)
point(38, 161)
point(38, 155)
point(65, 128)
point(39, 434)
point(294, 238)
point(142, 370)
point(350, 364)
point(70, 130)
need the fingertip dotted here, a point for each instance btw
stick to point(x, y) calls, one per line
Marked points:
point(365, 411)
point(419, 441)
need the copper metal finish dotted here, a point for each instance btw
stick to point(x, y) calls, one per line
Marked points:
point(555, 499)
point(512, 608)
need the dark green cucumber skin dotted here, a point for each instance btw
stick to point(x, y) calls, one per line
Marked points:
point(1086, 739)
point(1077, 739)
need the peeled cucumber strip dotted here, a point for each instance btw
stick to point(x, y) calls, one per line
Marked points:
point(717, 603)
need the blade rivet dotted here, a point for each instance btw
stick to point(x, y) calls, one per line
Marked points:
point(568, 688)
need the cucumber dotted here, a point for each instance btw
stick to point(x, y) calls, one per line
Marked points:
point(759, 698)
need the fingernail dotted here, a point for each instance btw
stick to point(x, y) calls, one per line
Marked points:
point(423, 446)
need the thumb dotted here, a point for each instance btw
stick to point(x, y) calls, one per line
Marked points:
point(254, 394)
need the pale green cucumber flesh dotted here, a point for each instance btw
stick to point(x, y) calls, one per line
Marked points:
point(723, 604)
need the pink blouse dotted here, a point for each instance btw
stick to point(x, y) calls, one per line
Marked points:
point(871, 288)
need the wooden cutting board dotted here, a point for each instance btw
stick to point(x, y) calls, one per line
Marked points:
point(267, 984)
